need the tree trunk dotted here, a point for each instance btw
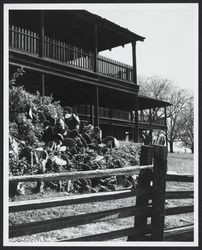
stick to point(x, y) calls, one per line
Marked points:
point(192, 149)
point(171, 147)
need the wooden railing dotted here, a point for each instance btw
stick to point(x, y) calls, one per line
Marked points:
point(23, 39)
point(67, 53)
point(28, 41)
point(142, 210)
point(115, 69)
point(121, 115)
point(81, 110)
point(144, 118)
point(84, 109)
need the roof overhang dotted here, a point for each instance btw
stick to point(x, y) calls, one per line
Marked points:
point(76, 27)
point(145, 102)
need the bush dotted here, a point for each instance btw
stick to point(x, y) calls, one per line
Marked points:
point(32, 135)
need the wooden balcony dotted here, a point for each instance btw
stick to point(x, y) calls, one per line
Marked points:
point(29, 42)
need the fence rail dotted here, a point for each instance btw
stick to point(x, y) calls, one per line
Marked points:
point(75, 200)
point(179, 178)
point(76, 175)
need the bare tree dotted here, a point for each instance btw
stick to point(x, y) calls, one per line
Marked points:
point(163, 89)
point(186, 134)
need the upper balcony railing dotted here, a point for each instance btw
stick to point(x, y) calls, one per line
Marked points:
point(29, 41)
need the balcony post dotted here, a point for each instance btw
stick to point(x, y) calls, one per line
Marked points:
point(136, 122)
point(134, 62)
point(92, 114)
point(95, 48)
point(132, 121)
point(166, 126)
point(150, 116)
point(41, 34)
point(43, 84)
point(97, 106)
point(150, 136)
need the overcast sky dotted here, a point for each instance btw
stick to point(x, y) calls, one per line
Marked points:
point(170, 48)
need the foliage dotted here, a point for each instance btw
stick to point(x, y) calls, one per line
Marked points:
point(41, 142)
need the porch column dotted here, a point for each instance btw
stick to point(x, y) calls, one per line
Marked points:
point(136, 122)
point(150, 117)
point(43, 84)
point(150, 136)
point(134, 62)
point(97, 122)
point(132, 120)
point(150, 131)
point(166, 126)
point(95, 52)
point(92, 113)
point(41, 34)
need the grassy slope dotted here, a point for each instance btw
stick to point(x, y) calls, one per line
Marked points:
point(182, 163)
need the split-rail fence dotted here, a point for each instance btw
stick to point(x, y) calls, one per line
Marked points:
point(148, 212)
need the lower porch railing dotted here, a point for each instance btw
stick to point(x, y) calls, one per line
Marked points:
point(84, 110)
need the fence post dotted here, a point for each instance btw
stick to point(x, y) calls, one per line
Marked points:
point(144, 180)
point(158, 196)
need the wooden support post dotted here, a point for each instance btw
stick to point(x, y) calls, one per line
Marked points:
point(41, 35)
point(95, 48)
point(166, 127)
point(158, 196)
point(43, 84)
point(132, 121)
point(150, 117)
point(165, 113)
point(97, 106)
point(136, 122)
point(92, 116)
point(134, 62)
point(150, 136)
point(144, 180)
point(146, 156)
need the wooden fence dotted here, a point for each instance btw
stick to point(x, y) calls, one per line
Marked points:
point(151, 187)
point(183, 233)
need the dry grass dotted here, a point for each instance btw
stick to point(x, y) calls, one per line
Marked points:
point(181, 163)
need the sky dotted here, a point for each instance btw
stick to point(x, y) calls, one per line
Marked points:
point(170, 48)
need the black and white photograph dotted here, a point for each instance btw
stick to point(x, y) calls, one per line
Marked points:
point(100, 124)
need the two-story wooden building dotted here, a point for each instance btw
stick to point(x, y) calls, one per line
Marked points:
point(59, 50)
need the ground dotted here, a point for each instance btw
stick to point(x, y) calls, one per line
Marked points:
point(178, 162)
